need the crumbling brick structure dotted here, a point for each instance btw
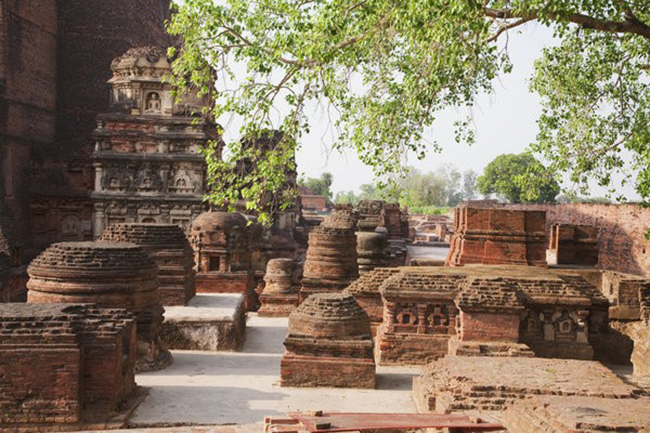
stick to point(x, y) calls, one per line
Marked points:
point(573, 245)
point(147, 162)
point(63, 366)
point(329, 344)
point(331, 263)
point(396, 225)
point(493, 236)
point(281, 289)
point(488, 323)
point(372, 251)
point(366, 291)
point(488, 310)
point(419, 316)
point(490, 384)
point(372, 241)
point(221, 242)
point(170, 249)
point(560, 414)
point(624, 294)
point(110, 275)
point(370, 214)
point(622, 245)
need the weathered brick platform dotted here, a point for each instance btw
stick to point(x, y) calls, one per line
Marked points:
point(221, 242)
point(331, 263)
point(210, 322)
point(493, 236)
point(111, 275)
point(366, 291)
point(170, 249)
point(495, 310)
point(63, 366)
point(489, 384)
point(329, 344)
point(280, 295)
point(556, 414)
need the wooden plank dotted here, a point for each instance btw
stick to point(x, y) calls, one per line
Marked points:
point(345, 422)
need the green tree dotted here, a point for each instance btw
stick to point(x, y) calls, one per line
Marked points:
point(518, 179)
point(415, 58)
point(321, 186)
point(346, 197)
point(469, 185)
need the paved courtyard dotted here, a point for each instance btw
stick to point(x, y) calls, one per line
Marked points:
point(242, 388)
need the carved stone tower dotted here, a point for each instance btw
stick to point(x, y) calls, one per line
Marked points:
point(147, 163)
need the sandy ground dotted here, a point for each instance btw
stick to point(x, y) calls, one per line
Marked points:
point(241, 388)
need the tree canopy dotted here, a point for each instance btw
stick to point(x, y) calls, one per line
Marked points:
point(518, 179)
point(442, 188)
point(387, 67)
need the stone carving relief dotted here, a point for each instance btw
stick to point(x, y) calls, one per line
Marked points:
point(148, 180)
point(117, 180)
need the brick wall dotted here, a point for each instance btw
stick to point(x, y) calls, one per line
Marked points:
point(55, 59)
point(489, 327)
point(622, 243)
point(24, 401)
point(28, 31)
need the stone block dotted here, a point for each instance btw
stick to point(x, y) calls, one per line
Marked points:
point(210, 322)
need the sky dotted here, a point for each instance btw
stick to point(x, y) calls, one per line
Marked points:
point(505, 122)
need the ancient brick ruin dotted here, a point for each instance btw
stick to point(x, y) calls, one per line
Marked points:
point(419, 317)
point(328, 344)
point(396, 224)
point(486, 310)
point(366, 291)
point(331, 263)
point(221, 242)
point(372, 251)
point(493, 236)
point(111, 275)
point(557, 414)
point(461, 384)
point(63, 366)
point(170, 249)
point(281, 289)
point(147, 163)
point(516, 342)
point(573, 245)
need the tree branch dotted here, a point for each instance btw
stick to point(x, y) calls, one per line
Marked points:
point(629, 25)
point(507, 27)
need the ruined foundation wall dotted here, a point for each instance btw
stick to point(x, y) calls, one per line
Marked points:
point(622, 244)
